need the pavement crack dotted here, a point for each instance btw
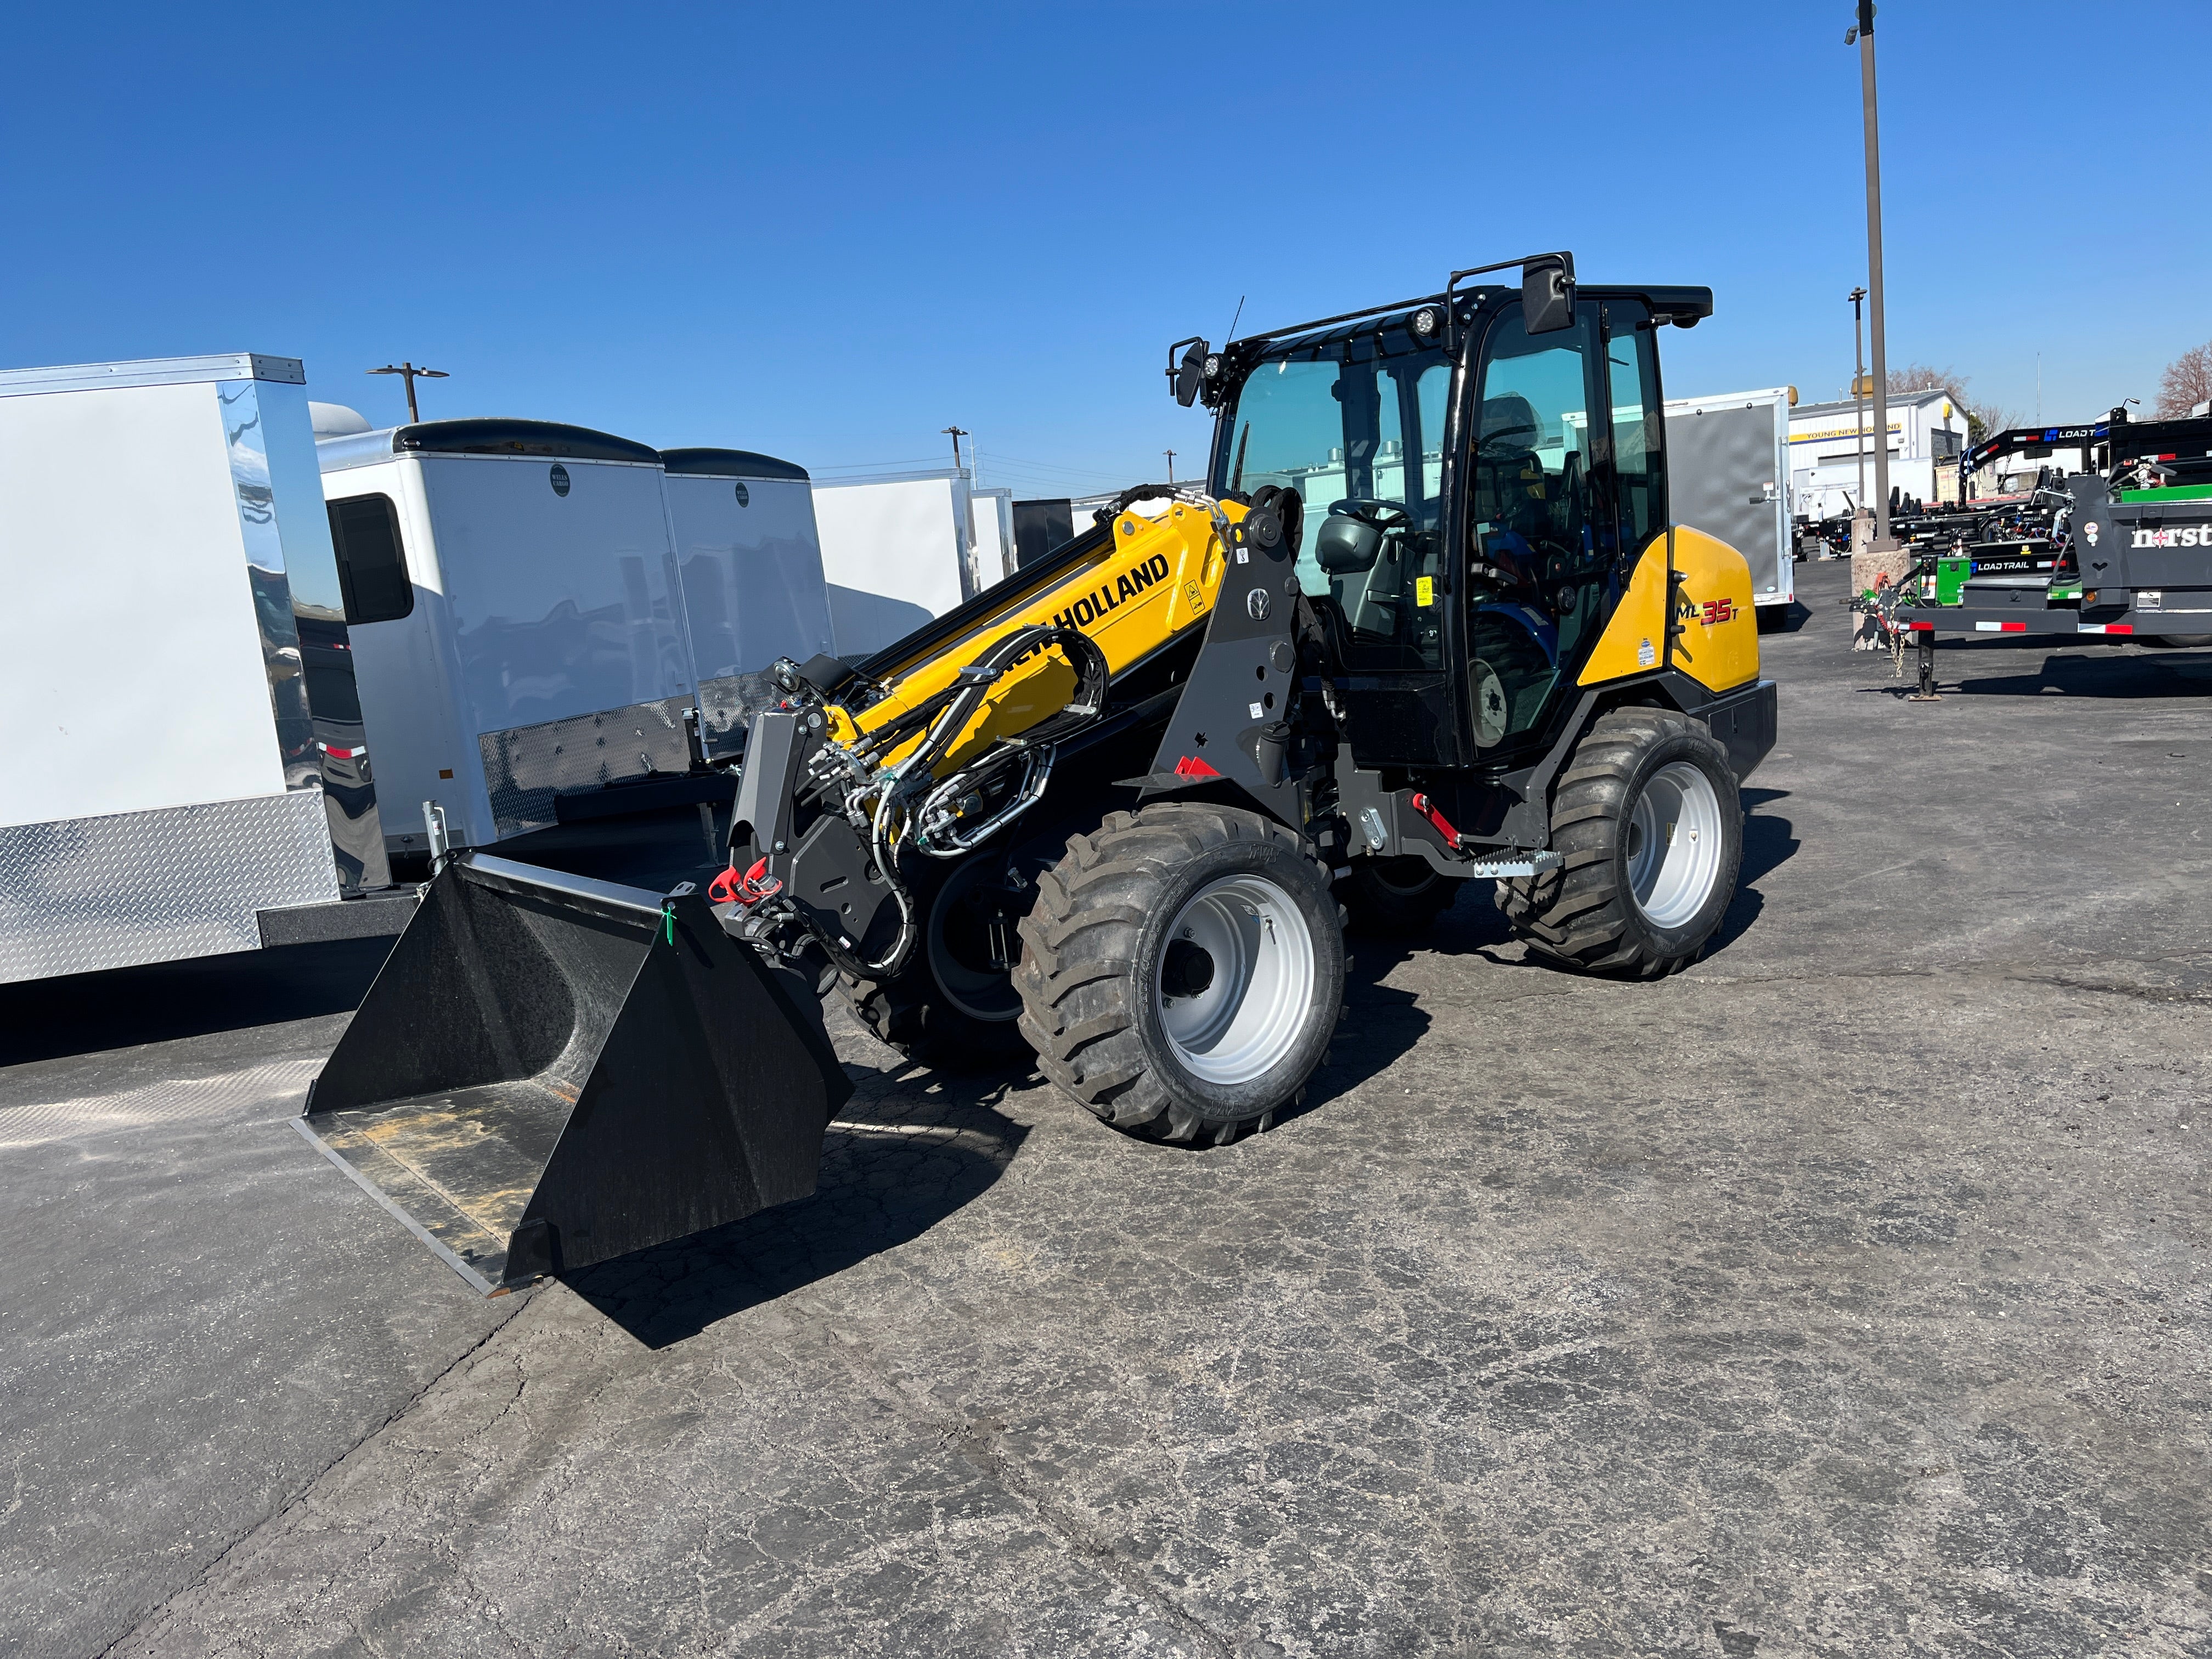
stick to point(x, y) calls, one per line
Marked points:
point(299, 1493)
point(979, 1443)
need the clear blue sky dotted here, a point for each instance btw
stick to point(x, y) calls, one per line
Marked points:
point(829, 231)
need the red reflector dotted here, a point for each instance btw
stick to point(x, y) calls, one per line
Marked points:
point(2119, 628)
point(1923, 628)
point(2012, 628)
point(1191, 767)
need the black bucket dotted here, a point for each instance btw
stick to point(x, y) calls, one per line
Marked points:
point(551, 1071)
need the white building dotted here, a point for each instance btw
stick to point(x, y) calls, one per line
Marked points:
point(1927, 434)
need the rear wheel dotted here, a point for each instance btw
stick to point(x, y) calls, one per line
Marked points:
point(1182, 970)
point(953, 1006)
point(1399, 896)
point(2182, 641)
point(1648, 819)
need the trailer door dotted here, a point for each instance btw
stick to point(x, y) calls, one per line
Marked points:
point(1725, 477)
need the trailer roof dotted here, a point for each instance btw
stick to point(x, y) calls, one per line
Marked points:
point(499, 436)
point(153, 371)
point(729, 463)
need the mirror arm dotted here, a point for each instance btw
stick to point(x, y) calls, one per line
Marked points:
point(1564, 259)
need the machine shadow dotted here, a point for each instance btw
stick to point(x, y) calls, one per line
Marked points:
point(164, 1001)
point(882, 1183)
point(1381, 1021)
point(1770, 841)
point(2123, 673)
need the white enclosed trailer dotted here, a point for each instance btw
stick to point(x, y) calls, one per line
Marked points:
point(896, 552)
point(532, 641)
point(751, 563)
point(1728, 474)
point(186, 774)
point(994, 558)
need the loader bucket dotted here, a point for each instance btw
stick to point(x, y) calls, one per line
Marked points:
point(551, 1071)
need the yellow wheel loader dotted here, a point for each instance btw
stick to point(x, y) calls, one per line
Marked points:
point(1426, 622)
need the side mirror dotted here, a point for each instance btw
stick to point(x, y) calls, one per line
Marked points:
point(1191, 374)
point(1547, 296)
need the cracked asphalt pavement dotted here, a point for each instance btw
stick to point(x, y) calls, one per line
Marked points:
point(1845, 1295)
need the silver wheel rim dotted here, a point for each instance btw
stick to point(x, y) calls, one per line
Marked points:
point(1673, 844)
point(1250, 1014)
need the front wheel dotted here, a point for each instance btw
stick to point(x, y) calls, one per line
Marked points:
point(953, 1005)
point(1182, 970)
point(1649, 822)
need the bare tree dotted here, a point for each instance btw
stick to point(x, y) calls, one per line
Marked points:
point(1982, 418)
point(1919, 377)
point(2187, 383)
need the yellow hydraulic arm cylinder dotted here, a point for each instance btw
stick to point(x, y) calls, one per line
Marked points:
point(1156, 579)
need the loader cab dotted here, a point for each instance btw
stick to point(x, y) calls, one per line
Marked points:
point(1474, 499)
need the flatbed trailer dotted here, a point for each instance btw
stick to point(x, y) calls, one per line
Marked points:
point(2142, 569)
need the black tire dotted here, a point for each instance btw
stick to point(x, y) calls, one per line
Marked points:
point(931, 1011)
point(2182, 641)
point(1398, 896)
point(1585, 915)
point(1097, 944)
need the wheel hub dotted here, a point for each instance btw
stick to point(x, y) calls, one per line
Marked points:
point(1187, 971)
point(1673, 844)
point(1236, 979)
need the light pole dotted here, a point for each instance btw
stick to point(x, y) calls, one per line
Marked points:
point(968, 556)
point(411, 374)
point(1858, 400)
point(1170, 454)
point(1863, 34)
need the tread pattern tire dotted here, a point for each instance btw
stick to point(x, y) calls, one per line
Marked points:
point(1581, 915)
point(1394, 901)
point(1086, 991)
point(907, 1014)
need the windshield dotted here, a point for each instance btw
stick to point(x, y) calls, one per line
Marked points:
point(1340, 422)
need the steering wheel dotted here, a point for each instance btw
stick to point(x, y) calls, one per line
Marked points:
point(1383, 515)
point(1499, 436)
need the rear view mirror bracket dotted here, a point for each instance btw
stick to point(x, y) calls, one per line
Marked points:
point(1187, 377)
point(1548, 292)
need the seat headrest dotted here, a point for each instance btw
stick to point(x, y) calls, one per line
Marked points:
point(1509, 415)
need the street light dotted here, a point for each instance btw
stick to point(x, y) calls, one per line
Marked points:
point(1862, 33)
point(411, 374)
point(1858, 401)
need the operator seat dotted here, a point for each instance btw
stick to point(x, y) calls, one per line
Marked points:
point(1505, 496)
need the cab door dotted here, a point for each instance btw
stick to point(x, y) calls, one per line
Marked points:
point(1399, 639)
point(1542, 541)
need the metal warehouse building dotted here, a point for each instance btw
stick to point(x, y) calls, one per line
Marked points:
point(1927, 434)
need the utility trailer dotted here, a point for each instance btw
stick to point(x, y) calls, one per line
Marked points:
point(188, 773)
point(1728, 470)
point(526, 642)
point(2134, 563)
point(750, 557)
point(897, 551)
